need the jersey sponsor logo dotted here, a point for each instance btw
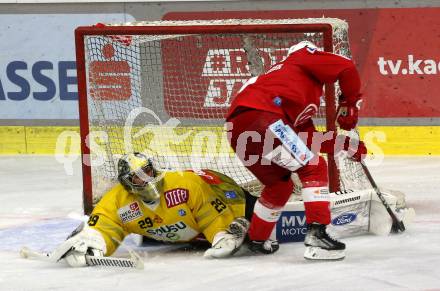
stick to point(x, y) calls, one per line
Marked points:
point(277, 101)
point(230, 194)
point(168, 232)
point(181, 212)
point(344, 218)
point(130, 212)
point(176, 197)
point(157, 219)
point(134, 206)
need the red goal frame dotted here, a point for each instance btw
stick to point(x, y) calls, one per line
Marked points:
point(83, 31)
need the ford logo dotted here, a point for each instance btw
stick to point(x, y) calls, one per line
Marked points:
point(344, 218)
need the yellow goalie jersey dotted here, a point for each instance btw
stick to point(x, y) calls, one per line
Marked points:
point(191, 203)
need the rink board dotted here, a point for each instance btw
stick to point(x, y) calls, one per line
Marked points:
point(350, 216)
point(390, 140)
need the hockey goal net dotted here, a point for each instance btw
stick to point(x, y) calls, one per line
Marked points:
point(163, 88)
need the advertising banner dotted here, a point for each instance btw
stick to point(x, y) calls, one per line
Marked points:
point(37, 64)
point(396, 51)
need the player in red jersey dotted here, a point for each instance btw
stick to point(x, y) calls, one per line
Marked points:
point(272, 134)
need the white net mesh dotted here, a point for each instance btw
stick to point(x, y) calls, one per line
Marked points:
point(167, 95)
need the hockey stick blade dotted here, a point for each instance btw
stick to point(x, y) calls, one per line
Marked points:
point(397, 224)
point(27, 253)
point(114, 262)
point(133, 262)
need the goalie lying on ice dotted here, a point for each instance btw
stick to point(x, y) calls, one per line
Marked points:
point(180, 206)
point(173, 206)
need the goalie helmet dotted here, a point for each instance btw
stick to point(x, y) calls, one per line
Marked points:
point(138, 176)
point(301, 45)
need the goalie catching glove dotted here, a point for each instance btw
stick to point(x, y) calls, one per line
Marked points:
point(227, 243)
point(81, 242)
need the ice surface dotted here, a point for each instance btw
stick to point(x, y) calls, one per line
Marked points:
point(40, 205)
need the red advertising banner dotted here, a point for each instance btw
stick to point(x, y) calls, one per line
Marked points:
point(216, 70)
point(109, 79)
point(397, 52)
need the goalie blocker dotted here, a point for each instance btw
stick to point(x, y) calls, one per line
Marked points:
point(352, 213)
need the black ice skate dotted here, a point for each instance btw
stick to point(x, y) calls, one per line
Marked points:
point(321, 246)
point(264, 246)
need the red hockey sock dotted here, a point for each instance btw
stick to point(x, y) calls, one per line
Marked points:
point(263, 221)
point(316, 204)
point(260, 229)
point(317, 211)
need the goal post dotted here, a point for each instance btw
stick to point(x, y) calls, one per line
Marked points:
point(164, 88)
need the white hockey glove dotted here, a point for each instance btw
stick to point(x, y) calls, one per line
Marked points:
point(227, 243)
point(83, 241)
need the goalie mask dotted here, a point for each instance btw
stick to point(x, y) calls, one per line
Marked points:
point(138, 176)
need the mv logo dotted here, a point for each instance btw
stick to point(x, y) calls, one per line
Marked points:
point(109, 79)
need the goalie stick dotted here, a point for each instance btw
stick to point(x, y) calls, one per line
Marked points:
point(397, 224)
point(133, 262)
